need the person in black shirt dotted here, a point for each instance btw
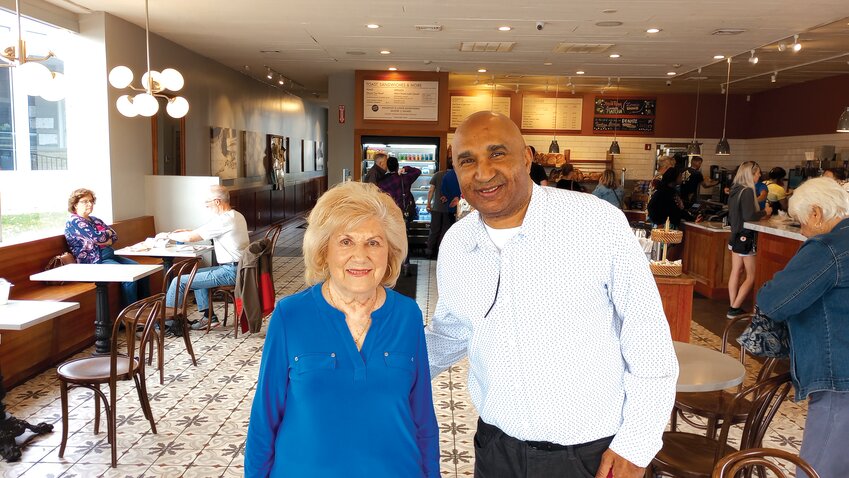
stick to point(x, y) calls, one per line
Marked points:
point(694, 180)
point(566, 181)
point(665, 203)
point(537, 171)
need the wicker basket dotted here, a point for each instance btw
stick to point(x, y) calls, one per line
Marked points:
point(671, 270)
point(669, 237)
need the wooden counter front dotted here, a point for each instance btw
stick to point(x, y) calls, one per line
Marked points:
point(676, 293)
point(776, 245)
point(707, 259)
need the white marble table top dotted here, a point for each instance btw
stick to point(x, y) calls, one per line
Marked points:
point(704, 370)
point(767, 226)
point(20, 314)
point(97, 273)
point(186, 250)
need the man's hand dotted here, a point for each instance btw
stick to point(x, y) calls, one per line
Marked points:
point(454, 202)
point(443, 199)
point(621, 467)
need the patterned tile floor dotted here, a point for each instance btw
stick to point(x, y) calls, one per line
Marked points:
point(202, 412)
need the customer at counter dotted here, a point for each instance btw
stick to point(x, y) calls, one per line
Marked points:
point(567, 179)
point(608, 190)
point(742, 207)
point(665, 203)
point(778, 193)
point(809, 294)
point(664, 163)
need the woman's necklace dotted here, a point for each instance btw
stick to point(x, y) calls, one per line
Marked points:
point(359, 336)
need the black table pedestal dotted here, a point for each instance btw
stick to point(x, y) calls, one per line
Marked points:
point(102, 321)
point(11, 427)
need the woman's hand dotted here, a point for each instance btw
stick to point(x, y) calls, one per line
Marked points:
point(768, 209)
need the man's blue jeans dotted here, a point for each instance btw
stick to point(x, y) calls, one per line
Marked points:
point(205, 279)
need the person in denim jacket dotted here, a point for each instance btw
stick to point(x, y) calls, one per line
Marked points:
point(810, 295)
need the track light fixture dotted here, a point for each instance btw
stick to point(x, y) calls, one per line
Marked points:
point(773, 77)
point(796, 45)
point(268, 73)
point(753, 59)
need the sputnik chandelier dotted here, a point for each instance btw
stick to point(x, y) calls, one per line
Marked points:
point(36, 79)
point(153, 85)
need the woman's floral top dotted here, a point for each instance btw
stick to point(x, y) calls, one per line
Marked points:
point(86, 237)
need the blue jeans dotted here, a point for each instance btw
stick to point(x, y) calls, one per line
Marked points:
point(826, 433)
point(130, 291)
point(205, 279)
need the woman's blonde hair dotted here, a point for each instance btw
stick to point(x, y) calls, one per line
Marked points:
point(746, 177)
point(76, 196)
point(825, 193)
point(608, 179)
point(342, 208)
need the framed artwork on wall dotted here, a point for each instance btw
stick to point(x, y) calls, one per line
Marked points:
point(307, 155)
point(319, 157)
point(253, 155)
point(225, 152)
point(277, 164)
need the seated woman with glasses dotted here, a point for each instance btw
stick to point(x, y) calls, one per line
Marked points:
point(90, 241)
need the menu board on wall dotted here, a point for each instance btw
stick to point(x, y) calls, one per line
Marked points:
point(638, 125)
point(463, 106)
point(624, 106)
point(401, 100)
point(539, 113)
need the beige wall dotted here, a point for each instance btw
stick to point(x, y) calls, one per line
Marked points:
point(217, 95)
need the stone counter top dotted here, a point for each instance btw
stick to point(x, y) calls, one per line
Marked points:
point(709, 226)
point(767, 226)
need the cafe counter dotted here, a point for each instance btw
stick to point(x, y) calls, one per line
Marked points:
point(706, 258)
point(777, 243)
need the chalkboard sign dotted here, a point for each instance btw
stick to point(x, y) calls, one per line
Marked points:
point(636, 125)
point(612, 106)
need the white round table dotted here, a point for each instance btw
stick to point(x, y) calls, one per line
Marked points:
point(701, 369)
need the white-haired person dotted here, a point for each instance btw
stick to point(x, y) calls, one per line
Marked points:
point(810, 294)
point(228, 231)
point(743, 207)
point(344, 385)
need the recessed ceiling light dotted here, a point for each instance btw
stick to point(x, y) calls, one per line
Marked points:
point(385, 52)
point(615, 55)
point(392, 68)
point(671, 73)
point(653, 30)
point(481, 70)
point(718, 57)
point(504, 28)
point(579, 72)
point(548, 63)
point(372, 26)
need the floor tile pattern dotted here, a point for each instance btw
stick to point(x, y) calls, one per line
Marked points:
point(202, 412)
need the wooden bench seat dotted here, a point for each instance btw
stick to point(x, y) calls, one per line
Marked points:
point(28, 352)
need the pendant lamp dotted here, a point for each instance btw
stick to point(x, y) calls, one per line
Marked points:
point(554, 147)
point(33, 77)
point(614, 146)
point(723, 148)
point(695, 148)
point(843, 122)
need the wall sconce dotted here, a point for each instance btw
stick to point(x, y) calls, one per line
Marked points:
point(153, 84)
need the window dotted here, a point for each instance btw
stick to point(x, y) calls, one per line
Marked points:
point(33, 141)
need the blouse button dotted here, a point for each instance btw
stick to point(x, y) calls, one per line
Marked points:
point(296, 358)
point(333, 354)
point(386, 354)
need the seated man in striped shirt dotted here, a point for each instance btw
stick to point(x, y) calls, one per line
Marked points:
point(578, 386)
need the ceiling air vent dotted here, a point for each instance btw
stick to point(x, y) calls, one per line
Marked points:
point(582, 47)
point(428, 28)
point(487, 46)
point(728, 31)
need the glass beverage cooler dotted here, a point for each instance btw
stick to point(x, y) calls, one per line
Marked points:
point(419, 152)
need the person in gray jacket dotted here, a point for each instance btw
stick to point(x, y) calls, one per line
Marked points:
point(255, 285)
point(743, 207)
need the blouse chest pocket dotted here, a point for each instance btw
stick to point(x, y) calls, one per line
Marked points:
point(313, 362)
point(399, 360)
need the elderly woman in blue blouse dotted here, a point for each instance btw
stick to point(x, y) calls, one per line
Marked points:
point(344, 385)
point(810, 295)
point(90, 241)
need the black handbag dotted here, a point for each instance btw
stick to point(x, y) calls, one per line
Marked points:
point(766, 338)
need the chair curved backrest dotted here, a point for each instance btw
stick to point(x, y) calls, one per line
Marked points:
point(273, 233)
point(766, 397)
point(745, 460)
point(184, 267)
point(144, 312)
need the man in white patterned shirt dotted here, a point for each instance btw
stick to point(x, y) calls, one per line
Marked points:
point(571, 365)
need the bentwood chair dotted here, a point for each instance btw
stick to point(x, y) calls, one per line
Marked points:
point(177, 314)
point(92, 372)
point(228, 292)
point(691, 455)
point(712, 405)
point(740, 463)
